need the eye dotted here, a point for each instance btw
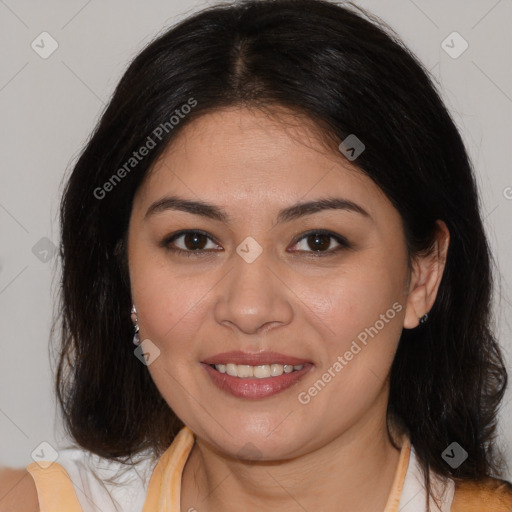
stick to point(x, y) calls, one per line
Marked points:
point(320, 242)
point(192, 243)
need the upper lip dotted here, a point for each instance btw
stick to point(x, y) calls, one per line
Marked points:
point(254, 359)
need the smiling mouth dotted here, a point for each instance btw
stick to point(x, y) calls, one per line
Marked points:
point(264, 371)
point(255, 381)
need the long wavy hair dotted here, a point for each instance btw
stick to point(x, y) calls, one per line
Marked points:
point(349, 73)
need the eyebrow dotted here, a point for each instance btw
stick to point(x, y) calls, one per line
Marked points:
point(288, 214)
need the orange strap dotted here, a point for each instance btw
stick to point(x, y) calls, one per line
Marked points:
point(55, 490)
point(398, 482)
point(164, 489)
point(491, 495)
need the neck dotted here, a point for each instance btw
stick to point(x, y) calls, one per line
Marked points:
point(353, 471)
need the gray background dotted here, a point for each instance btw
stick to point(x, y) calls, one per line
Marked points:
point(49, 107)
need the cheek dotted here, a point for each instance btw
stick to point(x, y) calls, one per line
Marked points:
point(167, 310)
point(363, 320)
point(155, 292)
point(171, 305)
point(362, 327)
point(350, 301)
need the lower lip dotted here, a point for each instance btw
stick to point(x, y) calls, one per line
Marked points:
point(255, 388)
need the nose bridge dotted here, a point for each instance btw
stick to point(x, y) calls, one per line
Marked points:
point(252, 294)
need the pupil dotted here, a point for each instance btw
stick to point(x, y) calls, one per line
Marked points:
point(193, 239)
point(318, 237)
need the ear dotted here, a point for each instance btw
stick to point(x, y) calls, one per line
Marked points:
point(426, 277)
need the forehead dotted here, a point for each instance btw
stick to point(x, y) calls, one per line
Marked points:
point(249, 158)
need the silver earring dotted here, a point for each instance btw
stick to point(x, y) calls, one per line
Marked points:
point(136, 339)
point(423, 319)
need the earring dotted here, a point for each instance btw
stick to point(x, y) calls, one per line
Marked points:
point(423, 319)
point(136, 339)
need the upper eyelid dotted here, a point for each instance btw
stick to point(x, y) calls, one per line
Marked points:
point(179, 234)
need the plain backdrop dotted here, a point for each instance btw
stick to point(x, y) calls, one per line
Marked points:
point(50, 105)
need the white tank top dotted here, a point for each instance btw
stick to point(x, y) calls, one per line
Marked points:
point(103, 485)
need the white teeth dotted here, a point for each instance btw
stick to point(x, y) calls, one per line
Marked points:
point(276, 370)
point(232, 370)
point(244, 370)
point(261, 372)
point(264, 371)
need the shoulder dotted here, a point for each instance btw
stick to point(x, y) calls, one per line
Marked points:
point(17, 491)
point(491, 494)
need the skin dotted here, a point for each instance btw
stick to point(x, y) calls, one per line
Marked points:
point(17, 491)
point(332, 454)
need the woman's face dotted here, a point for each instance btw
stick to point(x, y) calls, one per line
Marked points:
point(255, 281)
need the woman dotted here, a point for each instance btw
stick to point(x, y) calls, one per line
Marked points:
point(279, 211)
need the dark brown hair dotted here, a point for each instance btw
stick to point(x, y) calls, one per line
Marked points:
point(350, 74)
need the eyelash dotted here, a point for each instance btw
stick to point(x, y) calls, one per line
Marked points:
point(344, 244)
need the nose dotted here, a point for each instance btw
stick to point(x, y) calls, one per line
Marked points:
point(253, 297)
